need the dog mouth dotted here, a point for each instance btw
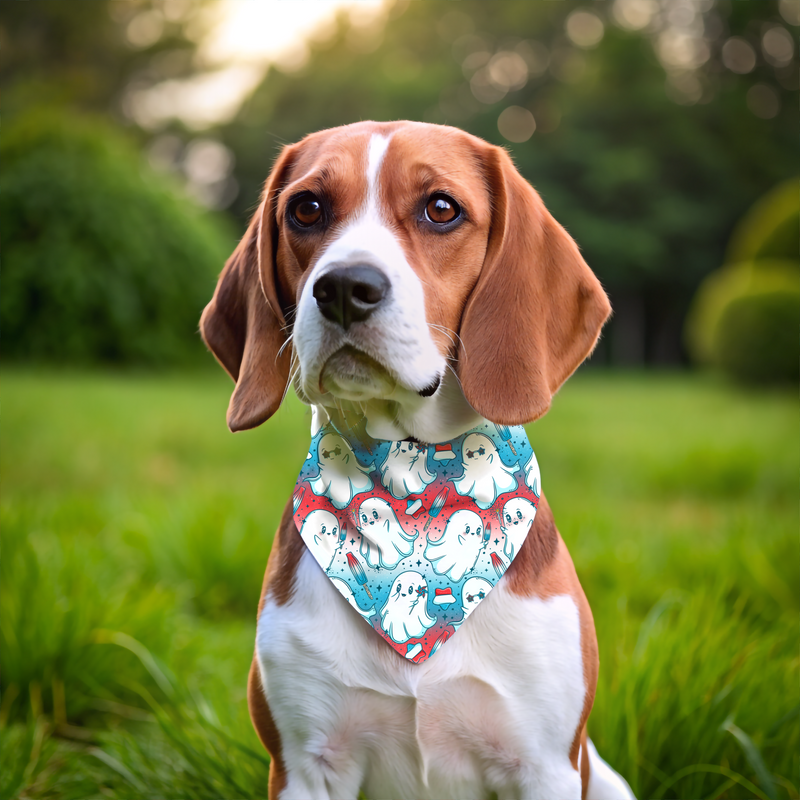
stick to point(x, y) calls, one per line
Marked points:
point(354, 375)
point(431, 388)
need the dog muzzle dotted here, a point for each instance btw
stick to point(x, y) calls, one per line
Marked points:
point(415, 536)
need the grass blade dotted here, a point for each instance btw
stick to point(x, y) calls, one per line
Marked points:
point(117, 766)
point(754, 757)
point(714, 769)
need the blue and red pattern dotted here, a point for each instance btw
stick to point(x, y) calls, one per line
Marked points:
point(415, 536)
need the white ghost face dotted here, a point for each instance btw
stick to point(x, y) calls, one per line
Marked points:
point(475, 590)
point(375, 512)
point(405, 614)
point(518, 515)
point(321, 532)
point(485, 475)
point(383, 540)
point(456, 552)
point(404, 471)
point(478, 449)
point(340, 477)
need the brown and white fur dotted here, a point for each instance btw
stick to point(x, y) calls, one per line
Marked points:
point(482, 320)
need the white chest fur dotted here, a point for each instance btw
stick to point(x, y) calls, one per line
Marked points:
point(496, 709)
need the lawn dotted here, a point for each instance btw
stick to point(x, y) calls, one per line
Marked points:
point(135, 530)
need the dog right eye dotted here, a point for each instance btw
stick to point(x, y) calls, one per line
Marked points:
point(305, 210)
point(442, 209)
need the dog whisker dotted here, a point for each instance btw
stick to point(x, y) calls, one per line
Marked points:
point(450, 334)
point(283, 346)
point(294, 371)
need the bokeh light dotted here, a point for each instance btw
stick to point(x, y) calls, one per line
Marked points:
point(516, 124)
point(738, 55)
point(634, 14)
point(584, 28)
point(763, 101)
point(777, 45)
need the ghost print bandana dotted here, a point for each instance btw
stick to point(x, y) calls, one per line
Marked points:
point(415, 536)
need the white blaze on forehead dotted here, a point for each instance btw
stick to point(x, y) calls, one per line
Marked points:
point(378, 145)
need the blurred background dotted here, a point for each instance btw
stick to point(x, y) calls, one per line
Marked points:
point(136, 135)
point(650, 128)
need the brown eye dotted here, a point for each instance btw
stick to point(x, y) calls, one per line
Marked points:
point(305, 211)
point(442, 209)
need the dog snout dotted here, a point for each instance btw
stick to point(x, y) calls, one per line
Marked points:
point(350, 294)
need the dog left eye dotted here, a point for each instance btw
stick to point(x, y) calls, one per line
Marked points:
point(442, 209)
point(305, 210)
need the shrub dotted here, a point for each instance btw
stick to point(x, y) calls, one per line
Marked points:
point(757, 337)
point(770, 229)
point(104, 260)
point(726, 286)
point(744, 317)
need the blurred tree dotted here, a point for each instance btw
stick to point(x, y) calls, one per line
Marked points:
point(90, 55)
point(130, 60)
point(648, 127)
point(103, 259)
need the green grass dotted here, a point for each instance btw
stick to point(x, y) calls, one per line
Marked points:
point(135, 530)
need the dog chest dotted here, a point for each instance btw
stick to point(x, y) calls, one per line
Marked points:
point(501, 699)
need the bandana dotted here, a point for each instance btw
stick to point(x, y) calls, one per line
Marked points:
point(415, 536)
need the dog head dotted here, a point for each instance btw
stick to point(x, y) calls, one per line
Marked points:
point(407, 269)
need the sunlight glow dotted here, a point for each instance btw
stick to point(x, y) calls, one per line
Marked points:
point(276, 30)
point(245, 37)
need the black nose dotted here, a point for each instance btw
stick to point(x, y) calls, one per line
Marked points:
point(350, 294)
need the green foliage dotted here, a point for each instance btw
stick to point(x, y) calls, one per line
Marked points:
point(726, 286)
point(757, 337)
point(648, 180)
point(745, 317)
point(104, 260)
point(82, 55)
point(135, 530)
point(770, 229)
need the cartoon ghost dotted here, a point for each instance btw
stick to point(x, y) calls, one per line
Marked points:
point(405, 615)
point(456, 552)
point(485, 475)
point(340, 477)
point(405, 471)
point(346, 592)
point(532, 476)
point(518, 514)
point(383, 540)
point(475, 590)
point(320, 532)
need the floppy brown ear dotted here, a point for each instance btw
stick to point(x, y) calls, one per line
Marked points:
point(243, 325)
point(536, 310)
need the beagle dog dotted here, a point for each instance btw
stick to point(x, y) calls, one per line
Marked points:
point(407, 273)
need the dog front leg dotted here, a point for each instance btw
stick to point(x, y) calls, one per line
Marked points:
point(321, 772)
point(318, 770)
point(552, 780)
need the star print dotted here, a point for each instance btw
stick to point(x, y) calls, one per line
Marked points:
point(353, 541)
point(497, 541)
point(418, 563)
point(379, 588)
